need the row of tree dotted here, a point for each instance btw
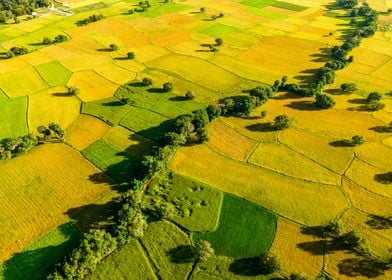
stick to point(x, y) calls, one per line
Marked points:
point(58, 39)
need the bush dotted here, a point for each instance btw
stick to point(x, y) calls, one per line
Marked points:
point(373, 96)
point(324, 101)
point(131, 55)
point(348, 87)
point(213, 111)
point(146, 82)
point(269, 263)
point(357, 140)
point(167, 87)
point(218, 41)
point(282, 122)
point(46, 41)
point(113, 47)
point(190, 95)
point(73, 91)
point(375, 105)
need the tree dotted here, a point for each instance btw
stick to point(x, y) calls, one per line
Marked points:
point(357, 140)
point(58, 131)
point(348, 87)
point(334, 229)
point(375, 105)
point(269, 263)
point(324, 101)
point(167, 87)
point(130, 55)
point(174, 139)
point(73, 91)
point(190, 95)
point(202, 10)
point(204, 250)
point(146, 82)
point(165, 210)
point(46, 41)
point(213, 111)
point(373, 96)
point(60, 38)
point(221, 15)
point(282, 122)
point(113, 47)
point(352, 240)
point(263, 114)
point(218, 41)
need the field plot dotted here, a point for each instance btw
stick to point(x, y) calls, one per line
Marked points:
point(229, 142)
point(53, 73)
point(109, 110)
point(245, 230)
point(287, 245)
point(198, 205)
point(164, 243)
point(52, 105)
point(37, 261)
point(118, 164)
point(38, 190)
point(263, 187)
point(130, 262)
point(13, 120)
point(84, 131)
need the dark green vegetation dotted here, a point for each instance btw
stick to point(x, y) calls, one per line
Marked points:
point(241, 221)
point(38, 260)
point(10, 9)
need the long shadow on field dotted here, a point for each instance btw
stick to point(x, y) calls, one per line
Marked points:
point(37, 264)
point(341, 143)
point(379, 222)
point(367, 267)
point(94, 215)
point(261, 127)
point(246, 267)
point(302, 105)
point(182, 254)
point(381, 129)
point(384, 178)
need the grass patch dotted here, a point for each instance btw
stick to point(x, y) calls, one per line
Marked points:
point(38, 260)
point(53, 73)
point(118, 164)
point(130, 262)
point(219, 30)
point(159, 8)
point(146, 123)
point(245, 229)
point(13, 121)
point(166, 245)
point(289, 6)
point(110, 110)
point(259, 4)
point(198, 205)
point(266, 13)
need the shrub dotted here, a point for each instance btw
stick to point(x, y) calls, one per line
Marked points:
point(218, 41)
point(269, 263)
point(113, 47)
point(375, 105)
point(282, 122)
point(373, 96)
point(131, 55)
point(146, 82)
point(167, 87)
point(357, 140)
point(190, 95)
point(73, 91)
point(348, 87)
point(213, 111)
point(46, 41)
point(324, 101)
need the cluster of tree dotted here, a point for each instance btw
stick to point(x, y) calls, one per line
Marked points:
point(15, 51)
point(58, 39)
point(12, 147)
point(94, 247)
point(374, 101)
point(220, 15)
point(347, 4)
point(50, 133)
point(92, 18)
point(11, 9)
point(324, 101)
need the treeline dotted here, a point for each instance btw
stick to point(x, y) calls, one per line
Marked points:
point(16, 146)
point(10, 9)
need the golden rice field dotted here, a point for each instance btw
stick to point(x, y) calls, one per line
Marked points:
point(301, 174)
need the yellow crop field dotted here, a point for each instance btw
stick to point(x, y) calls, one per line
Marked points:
point(51, 105)
point(317, 148)
point(366, 176)
point(375, 154)
point(92, 86)
point(229, 142)
point(30, 83)
point(366, 200)
point(201, 72)
point(286, 161)
point(86, 61)
point(36, 58)
point(264, 187)
point(84, 131)
point(41, 190)
point(115, 73)
point(287, 239)
point(129, 141)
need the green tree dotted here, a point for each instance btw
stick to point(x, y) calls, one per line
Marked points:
point(269, 263)
point(190, 95)
point(218, 41)
point(357, 140)
point(204, 250)
point(324, 101)
point(167, 87)
point(348, 87)
point(146, 82)
point(113, 47)
point(213, 111)
point(46, 41)
point(73, 91)
point(130, 55)
point(282, 122)
point(373, 96)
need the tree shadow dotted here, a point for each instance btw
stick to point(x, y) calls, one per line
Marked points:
point(114, 103)
point(379, 222)
point(136, 84)
point(367, 267)
point(341, 143)
point(381, 129)
point(181, 254)
point(261, 127)
point(203, 51)
point(105, 50)
point(384, 178)
point(317, 231)
point(357, 101)
point(121, 58)
point(62, 94)
point(334, 91)
point(246, 267)
point(302, 106)
point(178, 98)
point(37, 264)
point(156, 90)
